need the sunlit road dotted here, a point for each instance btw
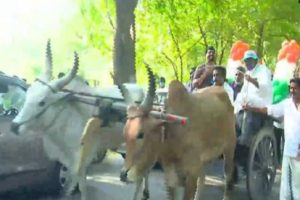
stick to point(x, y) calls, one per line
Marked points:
point(104, 184)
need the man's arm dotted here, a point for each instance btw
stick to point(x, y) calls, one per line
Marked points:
point(263, 110)
point(198, 77)
point(252, 80)
point(275, 110)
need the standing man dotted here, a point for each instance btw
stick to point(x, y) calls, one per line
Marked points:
point(290, 110)
point(256, 91)
point(162, 82)
point(219, 79)
point(188, 85)
point(203, 75)
point(238, 81)
point(162, 91)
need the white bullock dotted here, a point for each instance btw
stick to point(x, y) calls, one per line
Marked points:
point(61, 120)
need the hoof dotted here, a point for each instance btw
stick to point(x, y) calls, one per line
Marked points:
point(226, 198)
point(146, 195)
point(230, 186)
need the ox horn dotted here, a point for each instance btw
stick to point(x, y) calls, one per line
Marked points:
point(148, 100)
point(48, 72)
point(60, 83)
point(124, 91)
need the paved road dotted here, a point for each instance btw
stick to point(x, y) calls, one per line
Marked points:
point(104, 184)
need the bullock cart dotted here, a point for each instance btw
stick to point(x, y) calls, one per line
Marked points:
point(262, 161)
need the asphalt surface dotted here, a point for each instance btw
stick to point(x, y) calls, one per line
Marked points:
point(103, 184)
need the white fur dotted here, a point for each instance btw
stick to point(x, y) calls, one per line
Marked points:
point(61, 123)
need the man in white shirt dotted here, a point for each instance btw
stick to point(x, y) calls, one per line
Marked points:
point(290, 110)
point(219, 79)
point(257, 92)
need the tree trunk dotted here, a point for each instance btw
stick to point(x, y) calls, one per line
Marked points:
point(259, 42)
point(124, 43)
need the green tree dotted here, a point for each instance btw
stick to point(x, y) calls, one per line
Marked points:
point(172, 35)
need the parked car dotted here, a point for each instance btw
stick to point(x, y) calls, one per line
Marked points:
point(23, 161)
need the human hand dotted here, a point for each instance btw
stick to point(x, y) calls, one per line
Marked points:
point(251, 80)
point(297, 158)
point(246, 107)
point(248, 78)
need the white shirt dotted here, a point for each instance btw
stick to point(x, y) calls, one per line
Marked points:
point(229, 91)
point(288, 110)
point(250, 94)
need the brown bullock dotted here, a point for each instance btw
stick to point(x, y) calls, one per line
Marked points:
point(183, 151)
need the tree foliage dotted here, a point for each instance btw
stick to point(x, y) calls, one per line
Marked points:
point(172, 35)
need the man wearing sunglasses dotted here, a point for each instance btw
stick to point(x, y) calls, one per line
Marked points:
point(289, 109)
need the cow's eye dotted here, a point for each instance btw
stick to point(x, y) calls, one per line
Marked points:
point(42, 103)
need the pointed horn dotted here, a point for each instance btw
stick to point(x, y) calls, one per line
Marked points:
point(148, 100)
point(124, 91)
point(48, 72)
point(60, 83)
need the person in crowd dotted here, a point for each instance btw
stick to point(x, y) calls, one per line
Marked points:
point(289, 109)
point(256, 91)
point(161, 92)
point(203, 74)
point(189, 84)
point(162, 82)
point(219, 79)
point(238, 81)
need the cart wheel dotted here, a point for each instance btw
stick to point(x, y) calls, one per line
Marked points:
point(262, 163)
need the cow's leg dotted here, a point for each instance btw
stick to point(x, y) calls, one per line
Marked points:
point(138, 185)
point(228, 169)
point(71, 184)
point(82, 185)
point(146, 194)
point(170, 193)
point(190, 187)
point(175, 193)
point(200, 186)
point(172, 182)
point(89, 144)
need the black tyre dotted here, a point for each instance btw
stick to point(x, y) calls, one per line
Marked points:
point(262, 163)
point(61, 179)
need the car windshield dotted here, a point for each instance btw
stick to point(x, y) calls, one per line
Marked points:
point(12, 98)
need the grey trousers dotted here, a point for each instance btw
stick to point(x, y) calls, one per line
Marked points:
point(247, 125)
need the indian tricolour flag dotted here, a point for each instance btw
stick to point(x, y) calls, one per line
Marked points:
point(235, 58)
point(284, 71)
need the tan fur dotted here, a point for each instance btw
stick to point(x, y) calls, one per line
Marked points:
point(209, 133)
point(108, 138)
point(88, 138)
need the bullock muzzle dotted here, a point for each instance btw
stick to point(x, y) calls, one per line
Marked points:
point(14, 127)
